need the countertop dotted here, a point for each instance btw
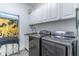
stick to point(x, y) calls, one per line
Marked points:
point(62, 41)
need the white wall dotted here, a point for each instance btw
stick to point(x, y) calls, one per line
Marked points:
point(64, 25)
point(21, 10)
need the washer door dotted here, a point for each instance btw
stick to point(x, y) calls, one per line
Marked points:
point(52, 49)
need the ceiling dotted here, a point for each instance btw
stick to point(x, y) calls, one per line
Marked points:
point(32, 4)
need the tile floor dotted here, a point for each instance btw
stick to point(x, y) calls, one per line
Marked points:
point(22, 53)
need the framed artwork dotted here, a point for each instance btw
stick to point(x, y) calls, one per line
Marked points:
point(8, 25)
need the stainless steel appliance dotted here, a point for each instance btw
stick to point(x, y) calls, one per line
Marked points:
point(60, 43)
point(33, 46)
point(46, 43)
point(77, 29)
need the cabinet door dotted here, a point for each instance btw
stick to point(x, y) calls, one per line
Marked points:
point(68, 10)
point(44, 10)
point(52, 11)
point(35, 16)
point(40, 14)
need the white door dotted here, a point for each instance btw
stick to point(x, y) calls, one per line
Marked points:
point(53, 11)
point(40, 14)
point(36, 16)
point(44, 14)
point(68, 10)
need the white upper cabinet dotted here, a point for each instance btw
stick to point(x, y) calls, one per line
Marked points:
point(44, 10)
point(68, 10)
point(39, 14)
point(35, 16)
point(53, 13)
